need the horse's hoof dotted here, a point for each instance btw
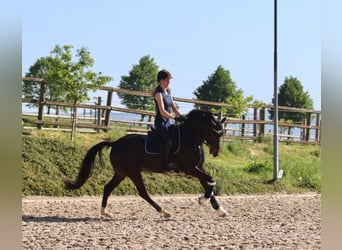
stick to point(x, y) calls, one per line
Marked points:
point(221, 212)
point(103, 213)
point(202, 199)
point(165, 214)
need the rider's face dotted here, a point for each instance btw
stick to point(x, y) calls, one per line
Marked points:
point(165, 82)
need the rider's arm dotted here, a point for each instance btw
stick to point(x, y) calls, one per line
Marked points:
point(175, 109)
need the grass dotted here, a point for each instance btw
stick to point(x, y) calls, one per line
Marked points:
point(241, 168)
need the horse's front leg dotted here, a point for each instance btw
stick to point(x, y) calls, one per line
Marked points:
point(219, 210)
point(208, 183)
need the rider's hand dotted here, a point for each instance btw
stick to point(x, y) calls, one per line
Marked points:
point(180, 118)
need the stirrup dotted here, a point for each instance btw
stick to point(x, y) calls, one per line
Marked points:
point(168, 167)
point(172, 168)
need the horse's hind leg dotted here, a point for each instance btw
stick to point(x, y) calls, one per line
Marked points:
point(108, 189)
point(138, 182)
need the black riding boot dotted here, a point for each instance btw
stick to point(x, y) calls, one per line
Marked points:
point(167, 154)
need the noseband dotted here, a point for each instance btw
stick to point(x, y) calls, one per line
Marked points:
point(218, 132)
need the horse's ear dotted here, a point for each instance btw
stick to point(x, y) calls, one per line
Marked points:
point(219, 116)
point(223, 120)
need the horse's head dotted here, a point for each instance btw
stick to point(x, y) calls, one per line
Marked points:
point(209, 128)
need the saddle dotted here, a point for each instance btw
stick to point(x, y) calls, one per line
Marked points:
point(154, 143)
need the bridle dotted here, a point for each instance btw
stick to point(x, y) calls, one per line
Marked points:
point(204, 136)
point(217, 132)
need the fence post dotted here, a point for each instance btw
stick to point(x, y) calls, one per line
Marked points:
point(303, 133)
point(243, 125)
point(109, 104)
point(289, 132)
point(255, 117)
point(318, 124)
point(57, 119)
point(99, 113)
point(262, 125)
point(220, 115)
point(41, 103)
point(308, 123)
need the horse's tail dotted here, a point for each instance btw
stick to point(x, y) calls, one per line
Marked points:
point(87, 166)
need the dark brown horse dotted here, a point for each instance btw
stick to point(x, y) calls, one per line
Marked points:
point(129, 157)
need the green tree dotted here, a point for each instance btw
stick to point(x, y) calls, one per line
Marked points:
point(292, 94)
point(142, 77)
point(221, 88)
point(53, 92)
point(68, 79)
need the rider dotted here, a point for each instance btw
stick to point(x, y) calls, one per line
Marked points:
point(164, 105)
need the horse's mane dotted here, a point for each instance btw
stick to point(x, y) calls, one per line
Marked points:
point(196, 113)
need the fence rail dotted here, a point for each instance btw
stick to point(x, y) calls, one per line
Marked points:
point(243, 129)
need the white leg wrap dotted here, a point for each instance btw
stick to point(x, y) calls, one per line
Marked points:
point(211, 183)
point(221, 212)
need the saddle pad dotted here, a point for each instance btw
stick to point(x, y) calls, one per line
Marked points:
point(154, 144)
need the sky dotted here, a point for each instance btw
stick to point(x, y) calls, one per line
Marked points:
point(190, 38)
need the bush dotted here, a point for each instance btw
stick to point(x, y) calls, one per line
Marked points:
point(47, 159)
point(236, 147)
point(256, 166)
